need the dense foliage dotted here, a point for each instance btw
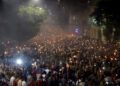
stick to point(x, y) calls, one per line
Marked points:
point(107, 14)
point(32, 14)
point(19, 19)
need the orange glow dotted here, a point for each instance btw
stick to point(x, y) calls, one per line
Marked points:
point(111, 59)
point(67, 65)
point(6, 52)
point(105, 57)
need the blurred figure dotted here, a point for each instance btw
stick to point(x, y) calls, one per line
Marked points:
point(12, 80)
point(24, 82)
point(19, 82)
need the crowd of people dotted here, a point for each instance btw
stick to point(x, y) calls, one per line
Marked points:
point(64, 61)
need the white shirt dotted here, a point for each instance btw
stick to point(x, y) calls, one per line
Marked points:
point(24, 83)
point(47, 71)
point(12, 80)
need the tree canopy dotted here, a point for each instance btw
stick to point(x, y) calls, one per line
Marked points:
point(32, 14)
point(107, 14)
point(20, 20)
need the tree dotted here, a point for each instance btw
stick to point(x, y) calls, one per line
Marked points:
point(108, 15)
point(31, 14)
point(19, 20)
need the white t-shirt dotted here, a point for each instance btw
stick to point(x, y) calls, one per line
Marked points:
point(24, 83)
point(12, 80)
point(47, 71)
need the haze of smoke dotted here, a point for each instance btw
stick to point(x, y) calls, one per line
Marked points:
point(11, 28)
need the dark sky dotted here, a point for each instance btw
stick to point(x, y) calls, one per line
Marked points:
point(11, 28)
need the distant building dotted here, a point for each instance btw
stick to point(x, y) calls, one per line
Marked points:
point(93, 30)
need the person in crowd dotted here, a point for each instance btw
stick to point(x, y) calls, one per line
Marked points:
point(64, 61)
point(19, 82)
point(12, 80)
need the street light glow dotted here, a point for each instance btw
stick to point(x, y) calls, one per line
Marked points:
point(19, 61)
point(36, 0)
point(40, 8)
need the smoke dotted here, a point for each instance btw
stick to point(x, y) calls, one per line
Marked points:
point(11, 26)
point(58, 20)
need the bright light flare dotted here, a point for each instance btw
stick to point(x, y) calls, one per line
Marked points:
point(77, 30)
point(19, 61)
point(36, 0)
point(40, 8)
